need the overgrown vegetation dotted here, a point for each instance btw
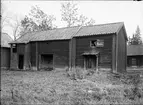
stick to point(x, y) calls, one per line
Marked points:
point(75, 87)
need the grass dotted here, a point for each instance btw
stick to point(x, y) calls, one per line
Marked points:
point(57, 88)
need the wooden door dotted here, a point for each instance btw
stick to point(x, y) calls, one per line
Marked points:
point(21, 61)
point(90, 62)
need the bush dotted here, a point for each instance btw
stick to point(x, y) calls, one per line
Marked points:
point(79, 73)
point(76, 73)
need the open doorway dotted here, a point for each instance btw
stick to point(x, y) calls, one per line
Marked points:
point(46, 61)
point(21, 61)
point(90, 62)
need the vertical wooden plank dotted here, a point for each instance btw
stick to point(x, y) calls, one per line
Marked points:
point(25, 57)
point(97, 63)
point(10, 56)
point(126, 55)
point(27, 64)
point(73, 52)
point(70, 54)
point(37, 60)
point(113, 54)
point(116, 53)
point(53, 61)
point(84, 63)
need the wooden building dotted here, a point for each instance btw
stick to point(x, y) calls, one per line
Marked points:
point(5, 50)
point(99, 47)
point(135, 56)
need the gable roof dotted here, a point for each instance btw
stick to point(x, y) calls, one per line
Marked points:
point(134, 50)
point(5, 40)
point(68, 33)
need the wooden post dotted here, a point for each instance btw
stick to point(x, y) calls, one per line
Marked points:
point(72, 53)
point(116, 54)
point(97, 63)
point(11, 56)
point(84, 63)
point(125, 56)
point(37, 57)
point(113, 54)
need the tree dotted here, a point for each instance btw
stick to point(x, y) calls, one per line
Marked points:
point(9, 20)
point(69, 13)
point(136, 38)
point(72, 18)
point(37, 20)
point(15, 25)
point(41, 19)
point(4, 17)
point(90, 22)
point(27, 25)
point(82, 19)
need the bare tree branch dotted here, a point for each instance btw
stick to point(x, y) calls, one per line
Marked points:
point(69, 13)
point(72, 18)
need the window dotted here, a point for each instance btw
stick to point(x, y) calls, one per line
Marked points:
point(97, 43)
point(100, 43)
point(93, 43)
point(14, 48)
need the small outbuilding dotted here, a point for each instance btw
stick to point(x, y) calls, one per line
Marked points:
point(135, 56)
point(5, 50)
point(98, 47)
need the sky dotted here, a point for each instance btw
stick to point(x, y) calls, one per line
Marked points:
point(129, 12)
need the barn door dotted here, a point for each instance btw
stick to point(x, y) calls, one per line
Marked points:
point(90, 62)
point(46, 61)
point(21, 61)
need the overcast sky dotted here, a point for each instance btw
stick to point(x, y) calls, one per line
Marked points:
point(129, 12)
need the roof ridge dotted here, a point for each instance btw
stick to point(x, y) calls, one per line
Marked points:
point(65, 27)
point(103, 24)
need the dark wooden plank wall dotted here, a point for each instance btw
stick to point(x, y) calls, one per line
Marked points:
point(122, 52)
point(114, 53)
point(59, 49)
point(33, 54)
point(20, 48)
point(5, 57)
point(139, 60)
point(13, 60)
point(20, 51)
point(15, 56)
point(28, 50)
point(72, 52)
point(27, 63)
point(83, 44)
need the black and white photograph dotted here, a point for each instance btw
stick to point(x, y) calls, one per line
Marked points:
point(71, 52)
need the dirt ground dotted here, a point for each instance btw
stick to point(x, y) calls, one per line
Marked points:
point(57, 88)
